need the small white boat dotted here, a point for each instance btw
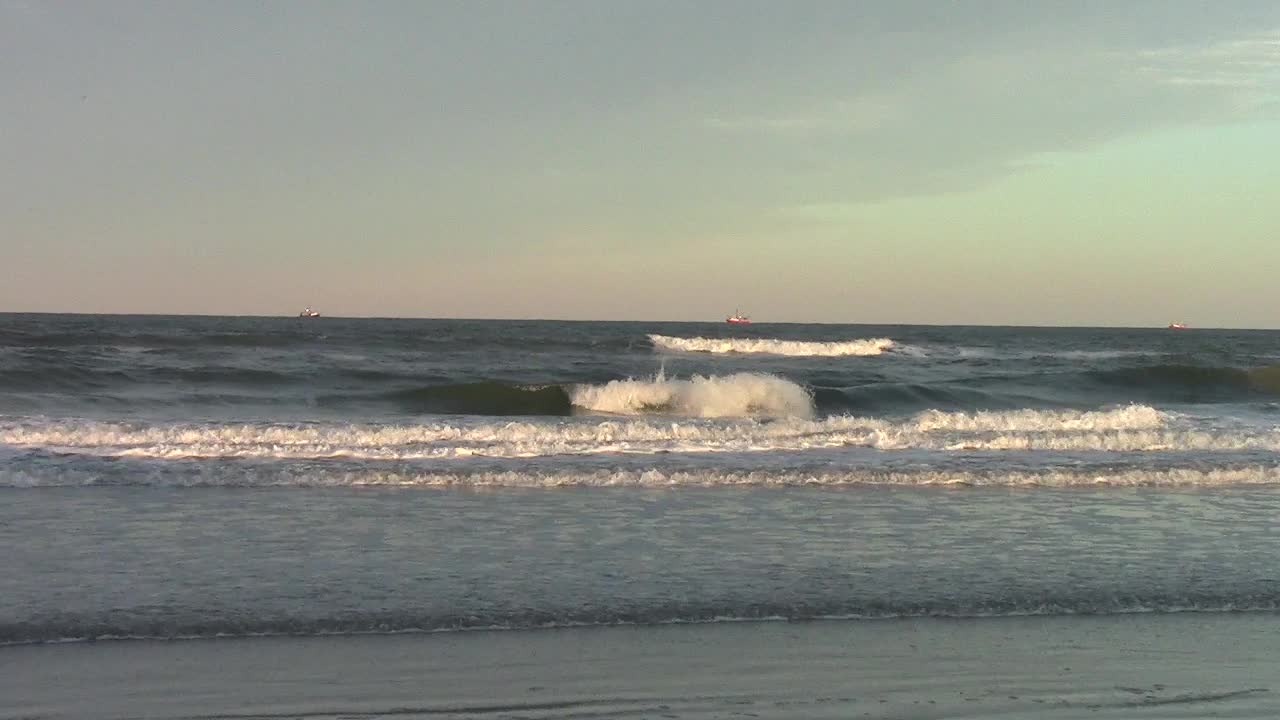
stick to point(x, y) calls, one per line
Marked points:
point(308, 312)
point(1177, 326)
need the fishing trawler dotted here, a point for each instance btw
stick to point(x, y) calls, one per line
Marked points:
point(738, 318)
point(308, 313)
point(1177, 326)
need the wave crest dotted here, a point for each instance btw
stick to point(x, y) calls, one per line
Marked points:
point(737, 395)
point(767, 346)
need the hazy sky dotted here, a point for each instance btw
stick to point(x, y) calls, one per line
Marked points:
point(1074, 162)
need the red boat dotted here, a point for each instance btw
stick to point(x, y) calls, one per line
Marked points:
point(738, 318)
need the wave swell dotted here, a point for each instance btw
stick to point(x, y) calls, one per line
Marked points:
point(356, 388)
point(486, 398)
point(1190, 381)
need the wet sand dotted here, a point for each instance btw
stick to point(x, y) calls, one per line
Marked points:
point(1165, 666)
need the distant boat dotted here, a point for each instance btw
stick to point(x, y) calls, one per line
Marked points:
point(1177, 326)
point(738, 318)
point(308, 312)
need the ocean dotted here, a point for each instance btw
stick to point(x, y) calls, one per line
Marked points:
point(328, 517)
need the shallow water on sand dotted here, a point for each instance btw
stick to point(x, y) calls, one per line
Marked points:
point(1180, 666)
point(128, 562)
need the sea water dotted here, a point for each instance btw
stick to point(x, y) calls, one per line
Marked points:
point(174, 478)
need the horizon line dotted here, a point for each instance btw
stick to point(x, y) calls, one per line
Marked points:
point(324, 317)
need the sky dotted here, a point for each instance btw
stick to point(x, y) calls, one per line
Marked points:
point(1042, 163)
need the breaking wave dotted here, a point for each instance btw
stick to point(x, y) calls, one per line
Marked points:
point(1129, 429)
point(766, 346)
point(737, 395)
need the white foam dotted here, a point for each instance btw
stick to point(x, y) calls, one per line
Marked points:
point(1131, 417)
point(992, 353)
point(708, 478)
point(276, 475)
point(738, 395)
point(766, 346)
point(1135, 428)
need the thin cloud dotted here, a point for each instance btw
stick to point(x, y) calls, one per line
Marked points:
point(854, 115)
point(967, 118)
point(1252, 62)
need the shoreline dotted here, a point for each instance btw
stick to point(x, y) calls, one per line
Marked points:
point(1051, 666)
point(570, 626)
